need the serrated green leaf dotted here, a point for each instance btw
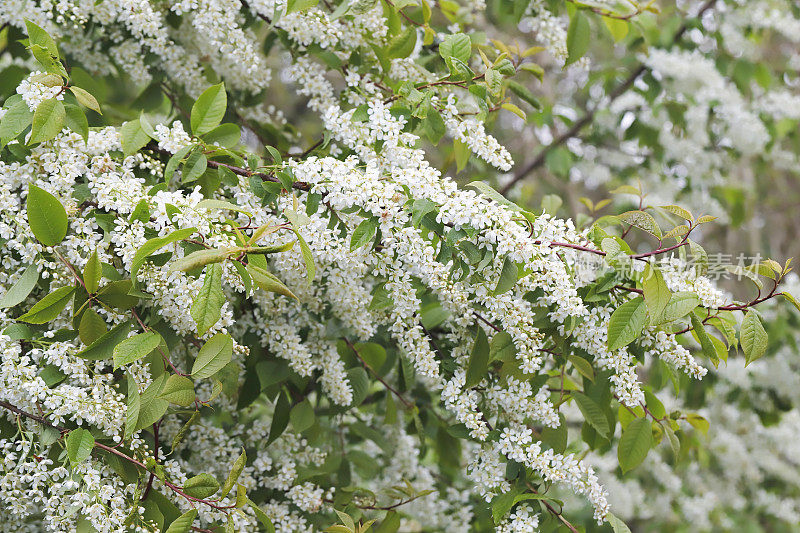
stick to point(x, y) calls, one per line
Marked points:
point(183, 523)
point(103, 348)
point(302, 416)
point(364, 233)
point(236, 471)
point(201, 486)
point(752, 337)
point(178, 390)
point(458, 46)
point(92, 273)
point(578, 37)
point(626, 323)
point(656, 293)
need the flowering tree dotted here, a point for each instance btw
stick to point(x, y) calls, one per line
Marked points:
point(222, 312)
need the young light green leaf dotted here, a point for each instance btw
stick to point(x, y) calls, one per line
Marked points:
point(656, 293)
point(48, 307)
point(48, 121)
point(268, 282)
point(21, 288)
point(626, 323)
point(15, 121)
point(46, 216)
point(37, 35)
point(208, 110)
point(79, 444)
point(134, 348)
point(133, 137)
point(752, 337)
point(680, 304)
point(209, 301)
point(85, 98)
point(616, 524)
point(262, 516)
point(458, 46)
point(155, 244)
point(201, 258)
point(635, 443)
point(299, 5)
point(215, 354)
point(234, 474)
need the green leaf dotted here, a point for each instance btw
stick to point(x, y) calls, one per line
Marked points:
point(91, 327)
point(234, 474)
point(592, 412)
point(79, 444)
point(209, 301)
point(525, 94)
point(133, 137)
point(21, 288)
point(268, 282)
point(14, 122)
point(508, 277)
point(299, 5)
point(698, 422)
point(578, 37)
point(364, 233)
point(117, 294)
point(225, 135)
point(134, 403)
point(48, 120)
point(178, 390)
point(618, 30)
point(46, 216)
point(478, 365)
point(702, 337)
point(37, 35)
point(583, 366)
point(85, 98)
point(680, 304)
point(103, 348)
point(183, 523)
point(635, 443)
point(502, 347)
point(215, 354)
point(752, 337)
point(155, 244)
point(626, 323)
point(458, 46)
point(656, 293)
point(136, 347)
point(152, 407)
point(48, 307)
point(208, 110)
point(302, 416)
point(616, 524)
point(200, 258)
point(280, 418)
point(402, 45)
point(92, 273)
point(262, 516)
point(643, 221)
point(201, 486)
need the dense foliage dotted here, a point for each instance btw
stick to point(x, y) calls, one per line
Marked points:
point(238, 292)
